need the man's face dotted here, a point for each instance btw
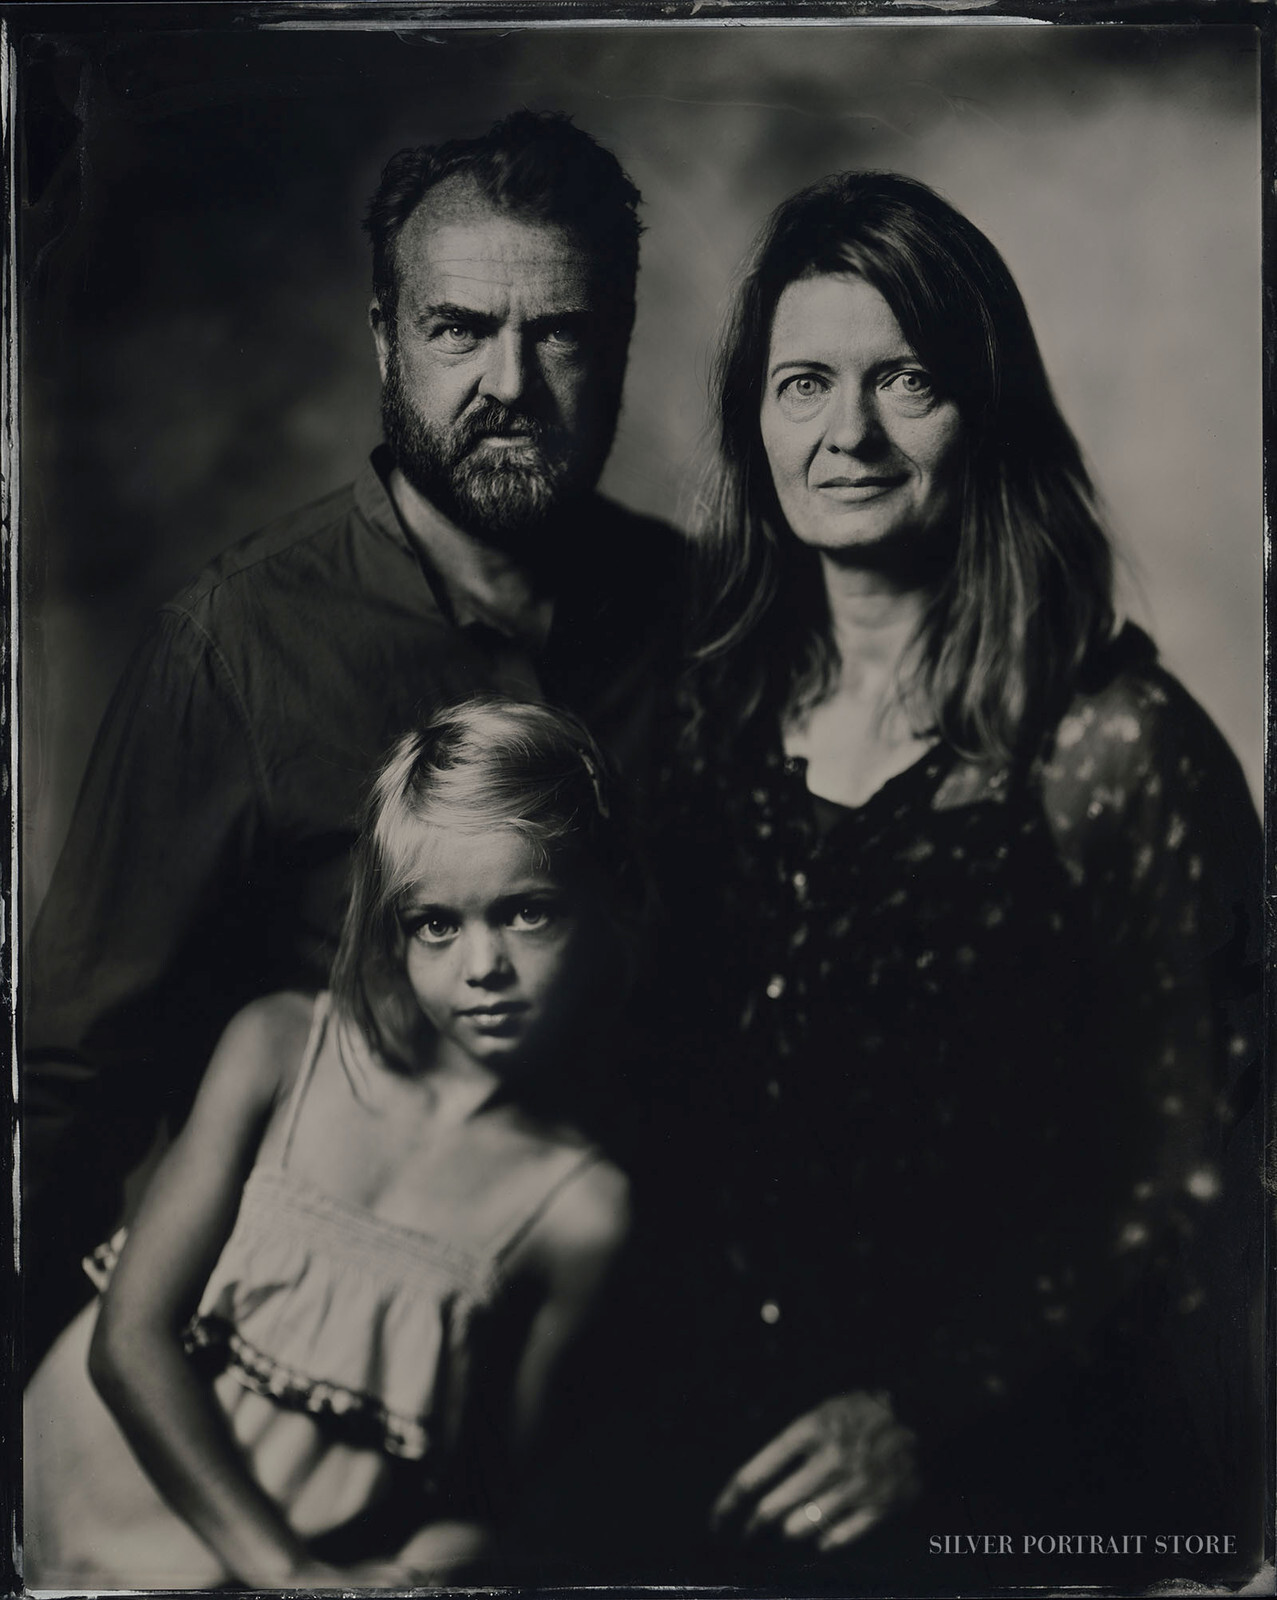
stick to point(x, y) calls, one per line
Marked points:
point(501, 375)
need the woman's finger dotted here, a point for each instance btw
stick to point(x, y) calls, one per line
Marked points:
point(851, 1528)
point(787, 1448)
point(816, 1513)
point(816, 1475)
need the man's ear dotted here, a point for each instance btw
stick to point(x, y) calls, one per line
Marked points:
point(380, 326)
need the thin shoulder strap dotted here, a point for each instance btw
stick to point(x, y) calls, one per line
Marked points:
point(567, 1171)
point(314, 1043)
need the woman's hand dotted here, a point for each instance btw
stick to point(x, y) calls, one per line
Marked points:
point(829, 1477)
point(311, 1575)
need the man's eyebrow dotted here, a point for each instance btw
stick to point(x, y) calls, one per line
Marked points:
point(447, 311)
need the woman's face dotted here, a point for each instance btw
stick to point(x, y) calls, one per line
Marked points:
point(861, 446)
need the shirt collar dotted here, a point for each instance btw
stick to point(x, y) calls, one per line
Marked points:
point(372, 495)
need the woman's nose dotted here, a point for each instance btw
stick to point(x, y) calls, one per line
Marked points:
point(854, 426)
point(487, 961)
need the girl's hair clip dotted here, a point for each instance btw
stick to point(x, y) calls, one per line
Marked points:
point(591, 766)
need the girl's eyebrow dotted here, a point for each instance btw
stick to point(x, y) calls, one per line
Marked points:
point(411, 907)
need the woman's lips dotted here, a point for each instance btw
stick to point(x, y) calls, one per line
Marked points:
point(860, 488)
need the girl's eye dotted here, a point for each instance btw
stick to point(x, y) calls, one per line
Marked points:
point(530, 918)
point(435, 930)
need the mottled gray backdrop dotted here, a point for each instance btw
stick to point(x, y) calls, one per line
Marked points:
point(196, 357)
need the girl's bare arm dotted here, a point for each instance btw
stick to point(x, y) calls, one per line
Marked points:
point(169, 1416)
point(569, 1254)
point(572, 1249)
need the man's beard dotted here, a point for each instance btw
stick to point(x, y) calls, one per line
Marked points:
point(500, 494)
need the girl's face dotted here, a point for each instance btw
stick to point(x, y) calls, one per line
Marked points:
point(861, 444)
point(491, 939)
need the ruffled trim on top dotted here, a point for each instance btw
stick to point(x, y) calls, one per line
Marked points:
point(357, 1417)
point(215, 1346)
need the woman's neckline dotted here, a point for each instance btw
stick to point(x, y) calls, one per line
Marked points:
point(797, 767)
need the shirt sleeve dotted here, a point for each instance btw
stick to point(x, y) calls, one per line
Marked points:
point(141, 899)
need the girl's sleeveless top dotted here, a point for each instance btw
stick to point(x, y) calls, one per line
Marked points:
point(364, 1324)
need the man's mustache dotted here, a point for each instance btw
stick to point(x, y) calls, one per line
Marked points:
point(493, 418)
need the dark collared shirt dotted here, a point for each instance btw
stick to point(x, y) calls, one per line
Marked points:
point(206, 862)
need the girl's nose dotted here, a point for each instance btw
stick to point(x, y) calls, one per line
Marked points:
point(487, 961)
point(854, 427)
point(505, 375)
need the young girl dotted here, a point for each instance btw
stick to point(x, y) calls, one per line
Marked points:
point(331, 1335)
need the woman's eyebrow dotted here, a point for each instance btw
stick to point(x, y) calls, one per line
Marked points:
point(807, 364)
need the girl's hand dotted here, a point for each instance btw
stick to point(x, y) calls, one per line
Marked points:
point(828, 1478)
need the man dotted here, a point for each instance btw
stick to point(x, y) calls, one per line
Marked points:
point(206, 862)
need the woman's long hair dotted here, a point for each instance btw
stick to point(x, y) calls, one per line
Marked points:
point(1027, 594)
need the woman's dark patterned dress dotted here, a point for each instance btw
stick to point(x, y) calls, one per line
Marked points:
point(965, 1073)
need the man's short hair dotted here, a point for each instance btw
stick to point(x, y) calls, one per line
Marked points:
point(534, 165)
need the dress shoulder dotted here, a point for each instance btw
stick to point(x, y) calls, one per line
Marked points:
point(1135, 751)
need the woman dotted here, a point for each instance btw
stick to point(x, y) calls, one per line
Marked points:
point(971, 892)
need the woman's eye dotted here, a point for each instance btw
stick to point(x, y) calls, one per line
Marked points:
point(806, 386)
point(802, 395)
point(912, 384)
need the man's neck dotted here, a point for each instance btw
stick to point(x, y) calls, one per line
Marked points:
point(483, 582)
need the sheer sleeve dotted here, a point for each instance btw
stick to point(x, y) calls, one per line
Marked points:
point(1155, 826)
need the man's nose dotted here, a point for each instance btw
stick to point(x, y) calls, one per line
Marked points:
point(505, 374)
point(487, 961)
point(854, 425)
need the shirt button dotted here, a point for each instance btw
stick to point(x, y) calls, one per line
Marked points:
point(800, 881)
point(769, 1312)
point(775, 987)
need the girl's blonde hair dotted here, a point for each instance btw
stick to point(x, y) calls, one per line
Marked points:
point(484, 764)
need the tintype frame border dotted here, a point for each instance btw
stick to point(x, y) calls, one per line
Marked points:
point(22, 19)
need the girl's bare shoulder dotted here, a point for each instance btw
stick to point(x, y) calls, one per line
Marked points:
point(584, 1226)
point(264, 1042)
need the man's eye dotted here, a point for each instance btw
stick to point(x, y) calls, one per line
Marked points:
point(566, 335)
point(455, 336)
